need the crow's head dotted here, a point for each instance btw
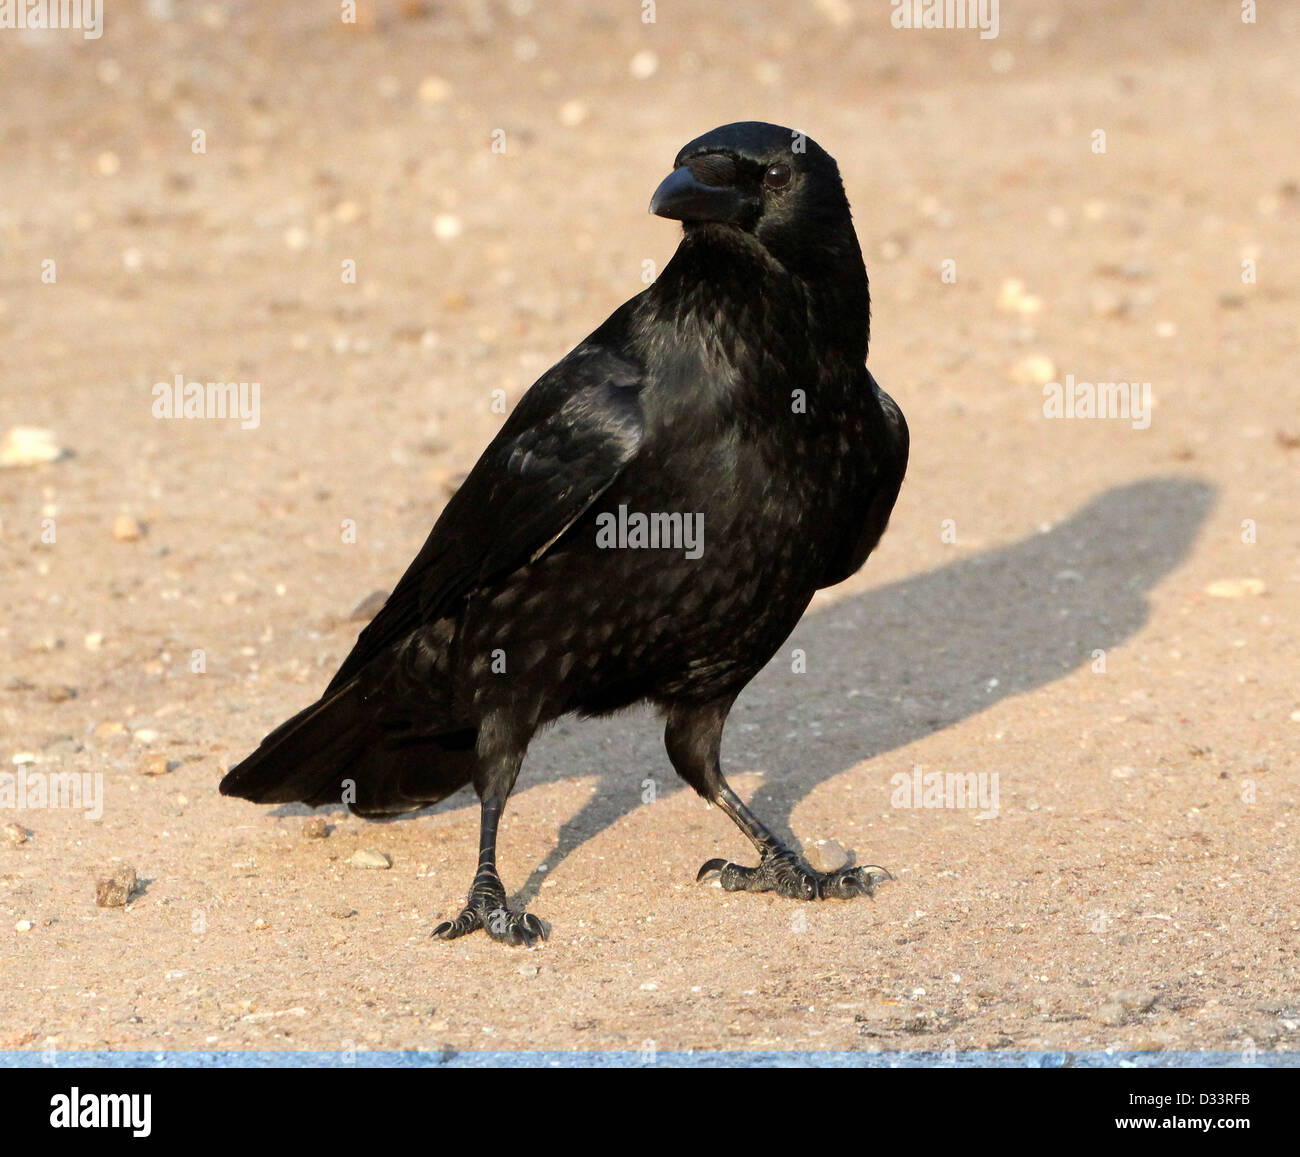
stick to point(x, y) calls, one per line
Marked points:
point(770, 182)
point(757, 190)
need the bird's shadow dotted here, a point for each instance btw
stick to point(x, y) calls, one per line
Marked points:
point(894, 664)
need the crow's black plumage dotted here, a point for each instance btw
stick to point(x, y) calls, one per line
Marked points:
point(733, 391)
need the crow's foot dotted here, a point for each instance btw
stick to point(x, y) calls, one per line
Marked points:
point(489, 911)
point(787, 875)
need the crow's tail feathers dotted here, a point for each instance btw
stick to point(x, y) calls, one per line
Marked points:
point(335, 751)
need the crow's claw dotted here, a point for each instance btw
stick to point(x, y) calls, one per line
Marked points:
point(492, 914)
point(787, 875)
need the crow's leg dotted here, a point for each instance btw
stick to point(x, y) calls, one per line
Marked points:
point(693, 737)
point(486, 907)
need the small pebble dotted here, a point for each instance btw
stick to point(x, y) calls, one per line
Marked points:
point(434, 90)
point(127, 529)
point(29, 446)
point(892, 248)
point(838, 12)
point(450, 480)
point(23, 926)
point(828, 856)
point(1108, 304)
point(572, 113)
point(1111, 1013)
point(1034, 370)
point(115, 890)
point(1234, 588)
point(370, 858)
point(368, 607)
point(315, 828)
point(158, 765)
point(644, 65)
point(1133, 1001)
point(15, 833)
point(1012, 298)
point(447, 227)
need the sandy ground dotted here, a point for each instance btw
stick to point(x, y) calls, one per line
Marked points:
point(1101, 616)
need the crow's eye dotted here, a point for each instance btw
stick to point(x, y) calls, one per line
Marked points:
point(777, 177)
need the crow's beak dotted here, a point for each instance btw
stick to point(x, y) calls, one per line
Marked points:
point(683, 197)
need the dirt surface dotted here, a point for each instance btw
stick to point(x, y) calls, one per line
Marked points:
point(1062, 604)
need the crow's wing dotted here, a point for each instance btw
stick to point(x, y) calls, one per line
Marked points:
point(565, 443)
point(889, 455)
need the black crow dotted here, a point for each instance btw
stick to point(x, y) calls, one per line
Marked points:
point(649, 524)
